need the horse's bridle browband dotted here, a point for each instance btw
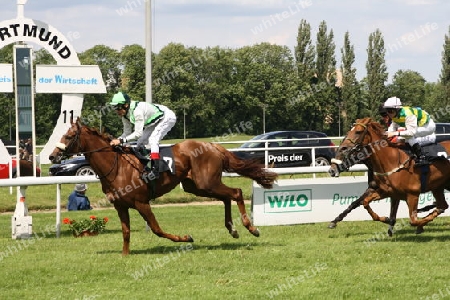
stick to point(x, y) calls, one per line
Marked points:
point(357, 144)
point(361, 137)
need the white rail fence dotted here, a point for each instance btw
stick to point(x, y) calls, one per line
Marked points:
point(59, 180)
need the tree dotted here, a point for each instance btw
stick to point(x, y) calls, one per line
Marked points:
point(96, 112)
point(175, 76)
point(376, 74)
point(349, 87)
point(108, 61)
point(132, 59)
point(444, 78)
point(409, 86)
point(327, 99)
point(303, 102)
point(304, 52)
point(267, 75)
point(7, 101)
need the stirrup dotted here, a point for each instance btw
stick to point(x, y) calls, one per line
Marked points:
point(150, 173)
point(149, 176)
point(421, 161)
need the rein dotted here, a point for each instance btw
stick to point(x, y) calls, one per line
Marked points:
point(77, 140)
point(358, 146)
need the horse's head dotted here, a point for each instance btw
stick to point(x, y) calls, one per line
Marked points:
point(69, 144)
point(353, 148)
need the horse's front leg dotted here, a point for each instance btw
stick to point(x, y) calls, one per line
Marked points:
point(373, 197)
point(146, 212)
point(124, 217)
point(351, 207)
point(393, 215)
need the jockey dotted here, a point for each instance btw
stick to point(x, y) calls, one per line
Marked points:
point(413, 123)
point(385, 119)
point(151, 123)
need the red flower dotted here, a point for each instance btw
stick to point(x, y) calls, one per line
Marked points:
point(93, 217)
point(67, 221)
point(105, 219)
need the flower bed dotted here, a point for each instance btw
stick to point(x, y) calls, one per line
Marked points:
point(86, 227)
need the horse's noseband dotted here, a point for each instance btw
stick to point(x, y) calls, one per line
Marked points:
point(60, 146)
point(356, 147)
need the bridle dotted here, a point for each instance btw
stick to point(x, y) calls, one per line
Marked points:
point(65, 150)
point(358, 148)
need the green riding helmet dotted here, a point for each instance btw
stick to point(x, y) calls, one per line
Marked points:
point(119, 99)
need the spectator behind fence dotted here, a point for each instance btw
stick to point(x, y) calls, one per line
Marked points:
point(78, 199)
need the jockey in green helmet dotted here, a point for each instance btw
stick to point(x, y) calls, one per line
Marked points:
point(145, 122)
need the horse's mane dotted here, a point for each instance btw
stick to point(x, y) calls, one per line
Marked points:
point(374, 126)
point(107, 137)
point(95, 131)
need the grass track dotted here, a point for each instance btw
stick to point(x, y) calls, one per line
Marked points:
point(354, 261)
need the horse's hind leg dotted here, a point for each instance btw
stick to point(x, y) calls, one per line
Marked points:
point(190, 187)
point(244, 216)
point(124, 217)
point(224, 193)
point(146, 212)
point(229, 219)
point(441, 206)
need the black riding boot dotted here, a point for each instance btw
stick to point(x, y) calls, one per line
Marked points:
point(420, 158)
point(152, 169)
point(155, 169)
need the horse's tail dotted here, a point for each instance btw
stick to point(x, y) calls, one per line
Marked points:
point(250, 168)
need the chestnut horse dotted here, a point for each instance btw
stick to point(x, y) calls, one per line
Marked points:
point(394, 174)
point(198, 166)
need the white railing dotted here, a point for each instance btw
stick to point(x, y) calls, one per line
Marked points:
point(58, 180)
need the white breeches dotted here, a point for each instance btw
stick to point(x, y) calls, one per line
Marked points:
point(153, 134)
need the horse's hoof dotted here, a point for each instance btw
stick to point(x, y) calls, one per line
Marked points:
point(390, 232)
point(234, 234)
point(419, 230)
point(332, 225)
point(189, 239)
point(255, 232)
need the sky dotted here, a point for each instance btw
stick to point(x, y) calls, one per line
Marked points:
point(413, 30)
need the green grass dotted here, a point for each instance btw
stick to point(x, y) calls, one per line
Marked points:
point(298, 262)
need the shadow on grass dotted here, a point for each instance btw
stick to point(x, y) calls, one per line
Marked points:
point(180, 247)
point(431, 234)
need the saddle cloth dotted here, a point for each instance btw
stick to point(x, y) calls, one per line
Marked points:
point(432, 152)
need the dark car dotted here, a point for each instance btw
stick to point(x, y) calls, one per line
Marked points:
point(290, 157)
point(442, 132)
point(76, 166)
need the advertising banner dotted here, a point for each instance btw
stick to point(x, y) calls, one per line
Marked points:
point(313, 200)
point(84, 79)
point(6, 78)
